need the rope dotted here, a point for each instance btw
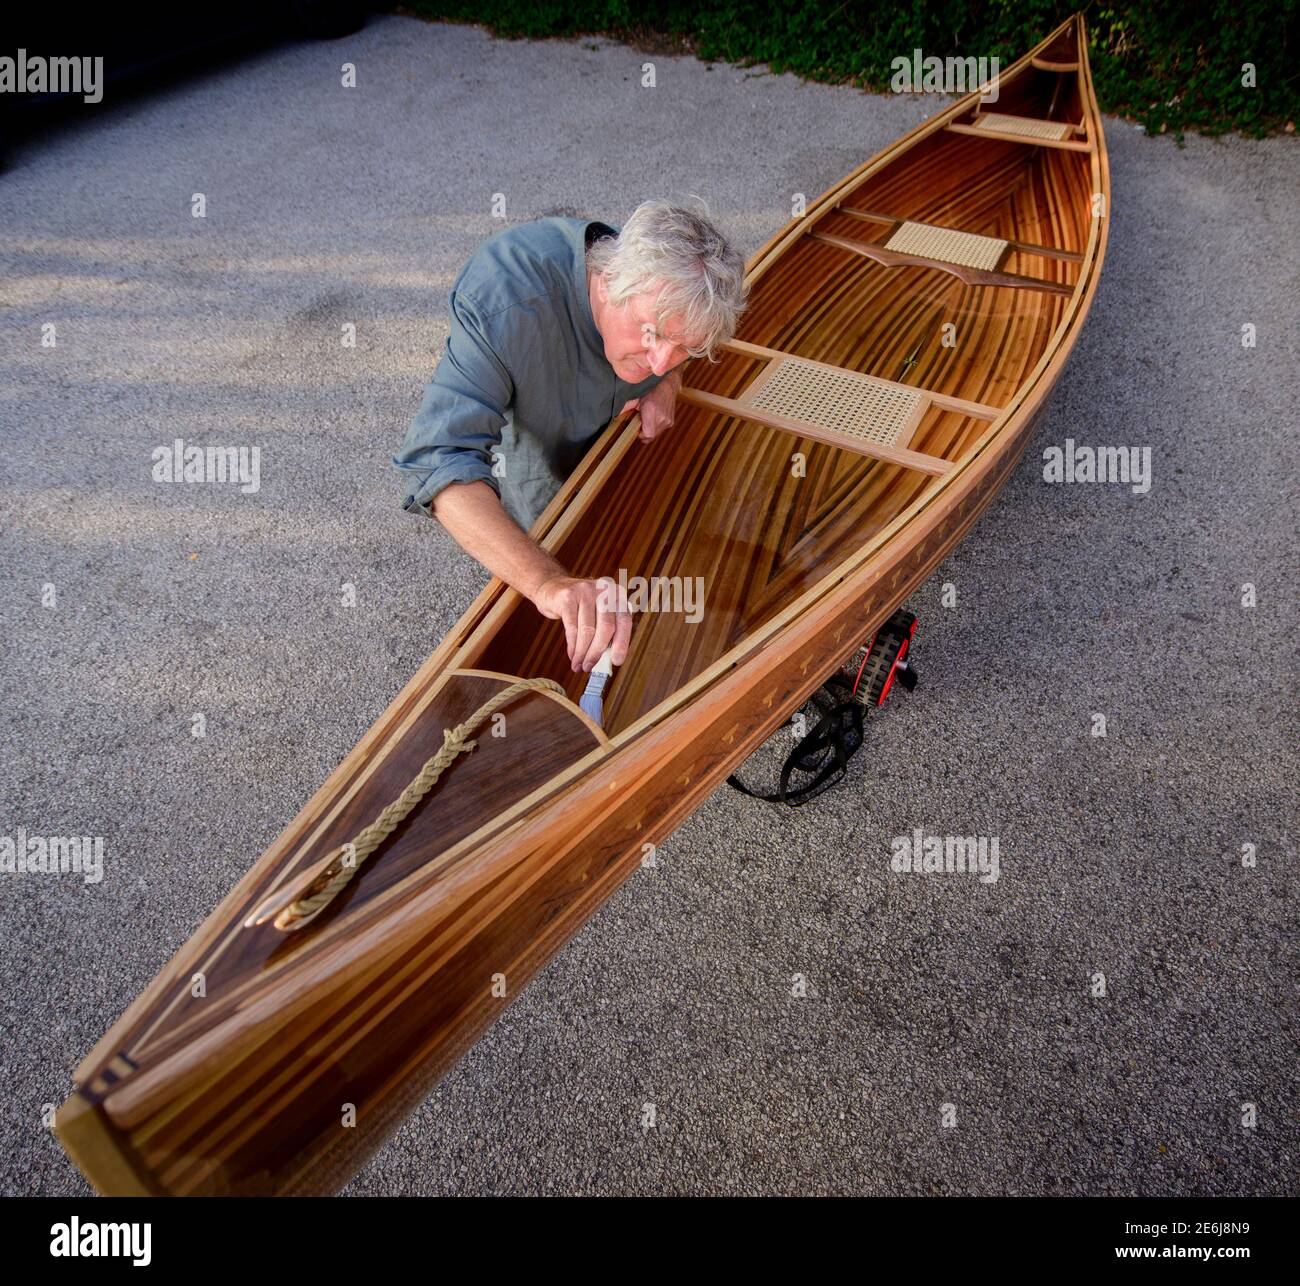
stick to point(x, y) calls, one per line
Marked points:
point(346, 860)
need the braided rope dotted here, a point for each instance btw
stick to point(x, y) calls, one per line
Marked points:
point(346, 860)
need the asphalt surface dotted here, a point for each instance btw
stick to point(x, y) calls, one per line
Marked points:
point(1119, 856)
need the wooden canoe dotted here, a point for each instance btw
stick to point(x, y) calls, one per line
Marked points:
point(814, 478)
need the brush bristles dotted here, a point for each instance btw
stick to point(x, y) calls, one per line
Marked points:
point(591, 699)
point(591, 703)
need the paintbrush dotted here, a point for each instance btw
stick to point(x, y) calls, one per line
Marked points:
point(591, 702)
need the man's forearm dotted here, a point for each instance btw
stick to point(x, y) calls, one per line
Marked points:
point(480, 525)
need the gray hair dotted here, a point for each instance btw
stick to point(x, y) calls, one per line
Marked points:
point(702, 275)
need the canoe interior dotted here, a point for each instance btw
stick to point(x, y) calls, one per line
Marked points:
point(718, 499)
point(544, 738)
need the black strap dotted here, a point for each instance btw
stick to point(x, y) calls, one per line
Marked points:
point(824, 752)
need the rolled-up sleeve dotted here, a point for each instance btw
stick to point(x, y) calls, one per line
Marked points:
point(461, 415)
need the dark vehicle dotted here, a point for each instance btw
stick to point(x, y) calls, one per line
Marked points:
point(59, 59)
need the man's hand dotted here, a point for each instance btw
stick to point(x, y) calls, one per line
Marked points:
point(657, 407)
point(593, 617)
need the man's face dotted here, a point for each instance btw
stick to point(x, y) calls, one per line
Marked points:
point(634, 344)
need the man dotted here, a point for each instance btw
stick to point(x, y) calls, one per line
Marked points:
point(557, 326)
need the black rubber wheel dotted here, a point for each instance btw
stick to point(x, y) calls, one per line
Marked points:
point(876, 676)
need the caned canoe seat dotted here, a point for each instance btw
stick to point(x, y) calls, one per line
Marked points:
point(844, 408)
point(841, 402)
point(969, 256)
point(868, 216)
point(949, 245)
point(1024, 125)
point(1035, 131)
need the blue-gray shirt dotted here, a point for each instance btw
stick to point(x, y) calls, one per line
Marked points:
point(524, 374)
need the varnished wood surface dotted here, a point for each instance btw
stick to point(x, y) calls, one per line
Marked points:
point(243, 1090)
point(538, 738)
point(727, 508)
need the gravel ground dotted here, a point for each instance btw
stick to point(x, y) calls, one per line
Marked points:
point(1119, 856)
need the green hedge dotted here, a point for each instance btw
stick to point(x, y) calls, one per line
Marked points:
point(1171, 66)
